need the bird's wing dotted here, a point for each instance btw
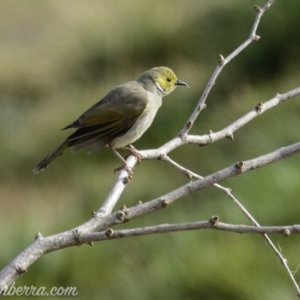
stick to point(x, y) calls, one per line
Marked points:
point(111, 117)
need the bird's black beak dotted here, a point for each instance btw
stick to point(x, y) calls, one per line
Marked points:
point(179, 82)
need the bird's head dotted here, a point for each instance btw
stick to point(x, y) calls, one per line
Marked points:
point(164, 78)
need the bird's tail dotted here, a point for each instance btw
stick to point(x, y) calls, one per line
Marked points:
point(50, 158)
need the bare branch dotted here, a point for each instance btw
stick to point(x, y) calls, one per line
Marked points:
point(167, 228)
point(227, 191)
point(117, 189)
point(104, 218)
point(73, 237)
point(234, 170)
point(286, 231)
point(256, 111)
point(222, 63)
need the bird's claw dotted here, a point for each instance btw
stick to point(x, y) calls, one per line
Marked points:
point(128, 169)
point(134, 152)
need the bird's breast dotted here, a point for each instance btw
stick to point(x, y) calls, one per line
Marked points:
point(140, 126)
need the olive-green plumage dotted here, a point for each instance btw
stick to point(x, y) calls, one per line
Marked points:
point(121, 117)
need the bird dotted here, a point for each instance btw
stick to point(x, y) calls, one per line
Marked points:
point(119, 118)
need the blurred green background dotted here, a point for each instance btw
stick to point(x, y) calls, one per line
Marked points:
point(57, 58)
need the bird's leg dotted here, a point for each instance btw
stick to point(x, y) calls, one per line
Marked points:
point(125, 166)
point(131, 149)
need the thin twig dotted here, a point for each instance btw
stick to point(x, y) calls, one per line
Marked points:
point(166, 228)
point(268, 240)
point(222, 63)
point(227, 191)
point(253, 113)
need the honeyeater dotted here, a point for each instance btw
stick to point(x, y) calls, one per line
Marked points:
point(119, 118)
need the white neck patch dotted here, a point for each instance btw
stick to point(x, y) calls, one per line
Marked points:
point(159, 87)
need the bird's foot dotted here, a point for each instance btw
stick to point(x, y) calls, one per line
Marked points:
point(133, 152)
point(125, 167)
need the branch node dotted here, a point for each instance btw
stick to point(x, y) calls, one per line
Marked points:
point(257, 8)
point(163, 155)
point(286, 232)
point(125, 210)
point(182, 136)
point(240, 165)
point(109, 233)
point(214, 220)
point(256, 38)
point(120, 215)
point(126, 179)
point(230, 136)
point(227, 191)
point(189, 189)
point(38, 236)
point(221, 59)
point(210, 139)
point(188, 174)
point(259, 107)
point(77, 236)
point(189, 125)
point(21, 270)
point(165, 203)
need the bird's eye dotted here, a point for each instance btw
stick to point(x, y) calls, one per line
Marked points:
point(169, 79)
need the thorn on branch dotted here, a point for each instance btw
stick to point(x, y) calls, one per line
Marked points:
point(286, 232)
point(165, 203)
point(21, 270)
point(230, 136)
point(140, 202)
point(214, 220)
point(259, 107)
point(257, 8)
point(221, 59)
point(93, 213)
point(90, 243)
point(240, 165)
point(109, 233)
point(38, 236)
